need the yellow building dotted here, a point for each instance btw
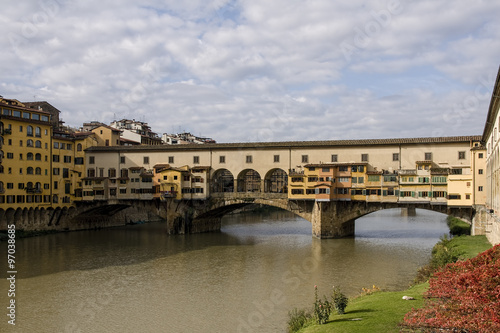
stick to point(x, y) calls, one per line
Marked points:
point(107, 135)
point(25, 158)
point(180, 183)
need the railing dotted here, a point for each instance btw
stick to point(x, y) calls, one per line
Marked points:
point(408, 172)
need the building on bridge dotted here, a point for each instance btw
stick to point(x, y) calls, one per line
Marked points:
point(438, 171)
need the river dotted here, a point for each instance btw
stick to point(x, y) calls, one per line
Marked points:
point(243, 279)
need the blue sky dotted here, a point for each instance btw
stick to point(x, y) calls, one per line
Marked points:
point(258, 70)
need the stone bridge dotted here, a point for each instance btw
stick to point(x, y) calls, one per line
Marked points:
point(329, 219)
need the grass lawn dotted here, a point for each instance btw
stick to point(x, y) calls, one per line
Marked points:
point(383, 311)
point(377, 312)
point(470, 246)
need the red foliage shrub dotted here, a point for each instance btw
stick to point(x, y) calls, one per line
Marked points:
point(463, 297)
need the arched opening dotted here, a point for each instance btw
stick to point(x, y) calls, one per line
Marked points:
point(222, 181)
point(249, 181)
point(276, 181)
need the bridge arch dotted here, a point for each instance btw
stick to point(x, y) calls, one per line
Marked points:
point(249, 180)
point(276, 181)
point(222, 181)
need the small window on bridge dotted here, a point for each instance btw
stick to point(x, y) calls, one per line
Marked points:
point(222, 159)
point(249, 159)
point(335, 158)
point(276, 158)
point(305, 158)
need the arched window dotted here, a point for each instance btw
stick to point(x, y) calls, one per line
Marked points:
point(38, 171)
point(38, 157)
point(29, 185)
point(38, 132)
point(29, 143)
point(29, 156)
point(29, 171)
point(1, 168)
point(38, 186)
point(79, 147)
point(1, 187)
point(29, 130)
point(38, 144)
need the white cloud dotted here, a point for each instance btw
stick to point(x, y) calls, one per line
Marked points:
point(258, 70)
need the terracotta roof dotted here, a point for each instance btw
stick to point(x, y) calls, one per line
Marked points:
point(290, 144)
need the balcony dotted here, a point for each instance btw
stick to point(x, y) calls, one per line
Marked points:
point(408, 172)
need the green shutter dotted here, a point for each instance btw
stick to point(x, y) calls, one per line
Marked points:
point(384, 193)
point(364, 192)
point(413, 194)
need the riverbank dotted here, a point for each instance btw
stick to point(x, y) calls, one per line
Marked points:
point(382, 311)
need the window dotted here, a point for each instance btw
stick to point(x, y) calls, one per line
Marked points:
point(38, 144)
point(395, 157)
point(325, 169)
point(78, 160)
point(170, 159)
point(38, 171)
point(456, 171)
point(26, 115)
point(343, 179)
point(29, 143)
point(374, 178)
point(56, 171)
point(67, 159)
point(249, 158)
point(196, 159)
point(55, 158)
point(69, 146)
point(65, 173)
point(29, 130)
point(364, 157)
point(480, 155)
point(276, 158)
point(461, 155)
point(343, 168)
point(91, 159)
point(428, 156)
point(38, 157)
point(107, 142)
point(29, 156)
point(297, 191)
point(222, 159)
point(335, 158)
point(305, 158)
point(112, 173)
point(20, 156)
point(122, 160)
point(20, 128)
point(56, 145)
point(38, 132)
point(79, 147)
point(480, 189)
point(35, 116)
point(10, 155)
point(480, 171)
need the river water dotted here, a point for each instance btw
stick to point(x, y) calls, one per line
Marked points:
point(243, 279)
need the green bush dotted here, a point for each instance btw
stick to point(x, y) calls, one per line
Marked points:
point(298, 319)
point(322, 308)
point(339, 300)
point(457, 226)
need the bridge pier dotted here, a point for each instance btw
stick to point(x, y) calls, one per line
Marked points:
point(329, 220)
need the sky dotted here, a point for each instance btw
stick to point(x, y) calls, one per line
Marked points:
point(258, 70)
